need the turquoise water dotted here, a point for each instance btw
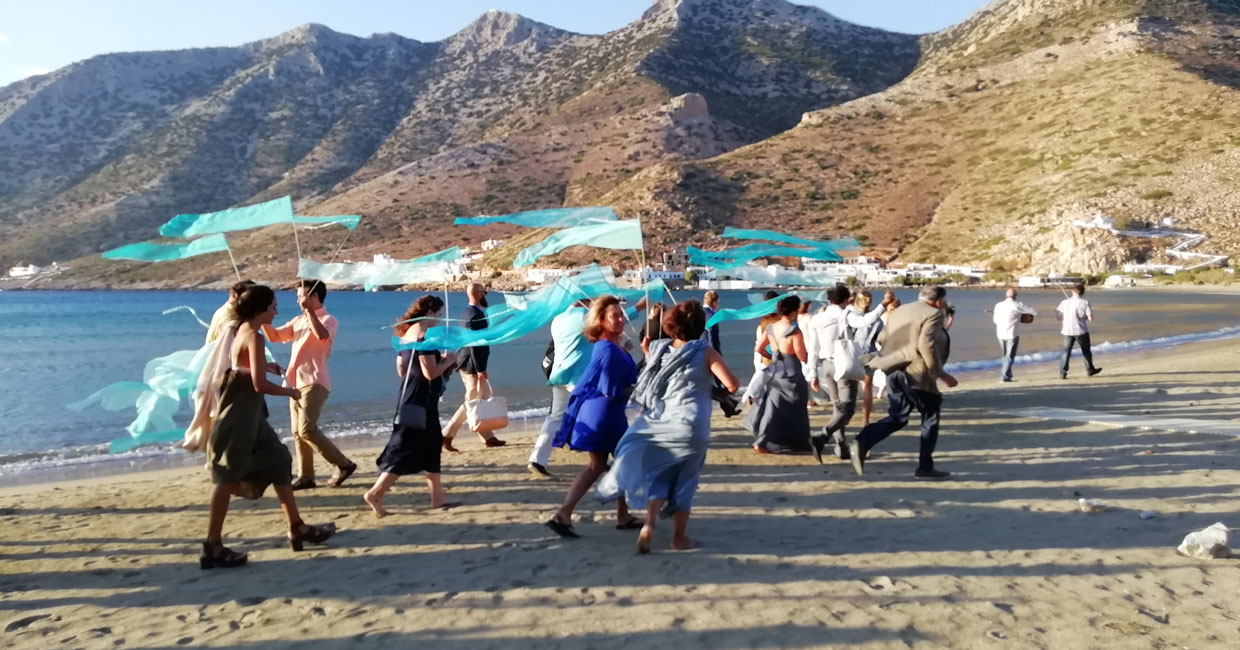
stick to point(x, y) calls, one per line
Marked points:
point(58, 347)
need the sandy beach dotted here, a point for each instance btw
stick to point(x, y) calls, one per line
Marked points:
point(794, 555)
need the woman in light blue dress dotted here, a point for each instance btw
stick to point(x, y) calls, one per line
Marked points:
point(660, 456)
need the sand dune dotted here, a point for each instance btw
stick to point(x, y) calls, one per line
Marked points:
point(795, 555)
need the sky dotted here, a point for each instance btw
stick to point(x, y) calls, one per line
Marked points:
point(37, 36)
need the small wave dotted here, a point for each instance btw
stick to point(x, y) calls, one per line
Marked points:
point(1101, 348)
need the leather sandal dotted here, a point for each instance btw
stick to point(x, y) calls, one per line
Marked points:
point(447, 444)
point(217, 555)
point(342, 475)
point(306, 533)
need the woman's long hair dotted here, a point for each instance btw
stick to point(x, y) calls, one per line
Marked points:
point(594, 320)
point(420, 308)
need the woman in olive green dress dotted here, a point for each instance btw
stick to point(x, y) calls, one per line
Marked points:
point(244, 453)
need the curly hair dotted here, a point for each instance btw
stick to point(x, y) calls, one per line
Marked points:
point(427, 304)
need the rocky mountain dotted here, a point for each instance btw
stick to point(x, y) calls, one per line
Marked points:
point(982, 143)
point(507, 114)
point(1029, 116)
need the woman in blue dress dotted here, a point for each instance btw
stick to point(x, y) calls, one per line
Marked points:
point(660, 457)
point(595, 418)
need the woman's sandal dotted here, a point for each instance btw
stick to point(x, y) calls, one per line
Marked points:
point(447, 444)
point(560, 528)
point(342, 475)
point(495, 442)
point(217, 555)
point(314, 534)
point(633, 523)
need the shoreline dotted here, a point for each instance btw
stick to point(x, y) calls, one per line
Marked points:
point(174, 462)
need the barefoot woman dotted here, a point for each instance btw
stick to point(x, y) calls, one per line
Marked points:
point(417, 439)
point(660, 457)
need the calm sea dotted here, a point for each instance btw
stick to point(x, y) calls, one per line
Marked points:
point(58, 347)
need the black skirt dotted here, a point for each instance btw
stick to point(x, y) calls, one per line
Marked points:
point(409, 450)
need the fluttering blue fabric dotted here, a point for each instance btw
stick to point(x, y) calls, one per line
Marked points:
point(151, 252)
point(619, 235)
point(552, 218)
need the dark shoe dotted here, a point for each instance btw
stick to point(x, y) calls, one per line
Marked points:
point(447, 444)
point(632, 524)
point(1095, 371)
point(342, 475)
point(495, 442)
point(841, 450)
point(817, 443)
point(1063, 375)
point(857, 456)
point(730, 407)
point(560, 528)
point(933, 474)
point(539, 471)
point(303, 484)
point(307, 533)
point(216, 555)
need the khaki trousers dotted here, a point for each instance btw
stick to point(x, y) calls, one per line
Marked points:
point(474, 389)
point(307, 437)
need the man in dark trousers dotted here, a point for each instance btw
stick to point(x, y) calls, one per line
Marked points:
point(473, 370)
point(914, 348)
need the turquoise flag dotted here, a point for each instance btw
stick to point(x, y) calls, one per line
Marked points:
point(536, 311)
point(445, 255)
point(618, 235)
point(846, 243)
point(553, 218)
point(746, 313)
point(152, 252)
point(270, 213)
point(733, 257)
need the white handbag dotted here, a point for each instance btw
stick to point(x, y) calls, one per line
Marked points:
point(489, 414)
point(846, 355)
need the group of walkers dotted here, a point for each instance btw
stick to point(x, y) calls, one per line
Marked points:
point(651, 464)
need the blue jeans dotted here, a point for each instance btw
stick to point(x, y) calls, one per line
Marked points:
point(1007, 348)
point(1068, 342)
point(902, 398)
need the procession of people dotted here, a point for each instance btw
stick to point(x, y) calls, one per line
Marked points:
point(802, 357)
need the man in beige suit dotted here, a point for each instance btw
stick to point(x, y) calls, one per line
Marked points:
point(915, 345)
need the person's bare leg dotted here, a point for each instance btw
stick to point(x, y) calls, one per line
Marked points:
point(288, 503)
point(646, 537)
point(622, 512)
point(581, 483)
point(681, 541)
point(374, 496)
point(221, 494)
point(435, 486)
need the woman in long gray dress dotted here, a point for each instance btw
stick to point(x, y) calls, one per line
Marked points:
point(244, 453)
point(779, 419)
point(660, 456)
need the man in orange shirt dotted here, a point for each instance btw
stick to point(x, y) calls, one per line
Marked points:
point(311, 334)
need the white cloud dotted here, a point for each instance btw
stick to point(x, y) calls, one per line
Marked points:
point(5, 40)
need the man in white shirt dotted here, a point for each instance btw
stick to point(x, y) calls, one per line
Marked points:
point(1076, 316)
point(834, 322)
point(1007, 328)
